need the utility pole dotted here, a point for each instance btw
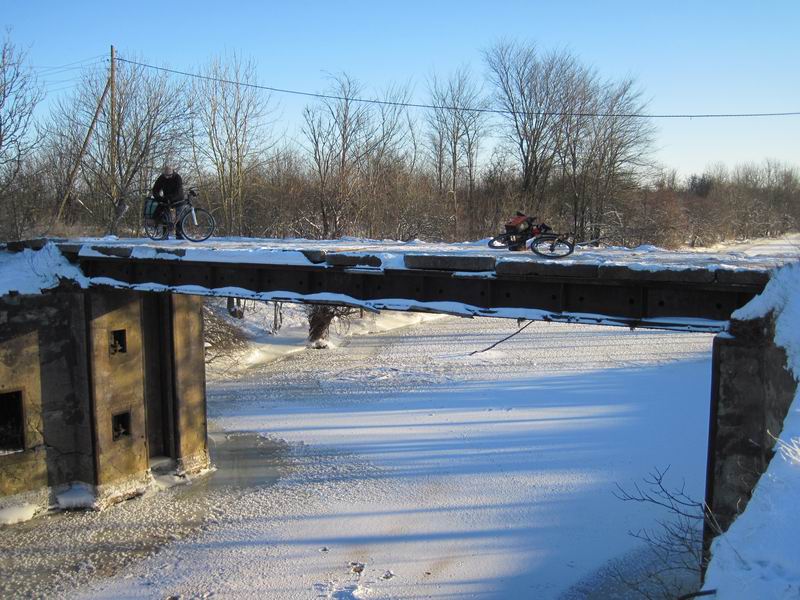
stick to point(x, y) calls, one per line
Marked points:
point(112, 135)
point(110, 85)
point(74, 171)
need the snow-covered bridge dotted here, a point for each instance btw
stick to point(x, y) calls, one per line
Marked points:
point(646, 286)
point(102, 378)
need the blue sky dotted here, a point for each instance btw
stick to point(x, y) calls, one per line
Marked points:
point(687, 56)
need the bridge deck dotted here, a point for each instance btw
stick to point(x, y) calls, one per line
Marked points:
point(636, 287)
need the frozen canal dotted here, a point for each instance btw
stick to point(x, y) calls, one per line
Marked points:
point(407, 468)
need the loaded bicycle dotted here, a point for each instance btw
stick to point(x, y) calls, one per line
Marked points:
point(196, 224)
point(522, 231)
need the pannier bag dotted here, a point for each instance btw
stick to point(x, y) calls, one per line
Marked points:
point(151, 208)
point(517, 224)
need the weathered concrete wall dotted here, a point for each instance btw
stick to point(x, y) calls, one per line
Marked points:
point(751, 394)
point(157, 341)
point(103, 376)
point(190, 382)
point(43, 355)
point(20, 371)
point(118, 389)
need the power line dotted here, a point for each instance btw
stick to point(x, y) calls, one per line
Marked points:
point(51, 82)
point(82, 67)
point(49, 85)
point(62, 89)
point(43, 68)
point(462, 108)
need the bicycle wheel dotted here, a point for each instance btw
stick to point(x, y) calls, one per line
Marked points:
point(552, 246)
point(500, 241)
point(197, 224)
point(156, 229)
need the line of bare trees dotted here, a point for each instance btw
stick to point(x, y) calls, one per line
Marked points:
point(541, 132)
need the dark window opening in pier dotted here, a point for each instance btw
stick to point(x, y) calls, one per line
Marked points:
point(12, 424)
point(121, 426)
point(119, 342)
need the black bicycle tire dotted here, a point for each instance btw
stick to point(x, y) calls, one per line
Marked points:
point(150, 226)
point(500, 241)
point(198, 211)
point(550, 238)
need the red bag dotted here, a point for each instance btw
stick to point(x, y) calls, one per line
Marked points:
point(519, 223)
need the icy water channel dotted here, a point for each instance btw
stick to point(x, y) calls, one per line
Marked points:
point(54, 554)
point(435, 471)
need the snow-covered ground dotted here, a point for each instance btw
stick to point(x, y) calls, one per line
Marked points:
point(445, 475)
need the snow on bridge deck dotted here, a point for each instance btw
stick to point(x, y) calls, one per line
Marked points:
point(644, 286)
point(476, 256)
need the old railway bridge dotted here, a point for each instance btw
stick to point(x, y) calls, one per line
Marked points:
point(102, 378)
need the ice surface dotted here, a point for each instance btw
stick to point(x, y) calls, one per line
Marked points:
point(464, 476)
point(264, 347)
point(79, 495)
point(20, 513)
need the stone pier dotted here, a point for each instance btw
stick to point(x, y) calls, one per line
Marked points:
point(752, 390)
point(96, 388)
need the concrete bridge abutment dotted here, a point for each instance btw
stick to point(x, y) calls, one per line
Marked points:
point(96, 387)
point(752, 390)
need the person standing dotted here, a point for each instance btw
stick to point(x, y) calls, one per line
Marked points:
point(168, 190)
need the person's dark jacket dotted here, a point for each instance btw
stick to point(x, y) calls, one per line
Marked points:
point(171, 186)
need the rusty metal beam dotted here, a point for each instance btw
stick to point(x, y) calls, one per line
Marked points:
point(630, 297)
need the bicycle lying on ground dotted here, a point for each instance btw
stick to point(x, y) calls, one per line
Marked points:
point(544, 241)
point(195, 223)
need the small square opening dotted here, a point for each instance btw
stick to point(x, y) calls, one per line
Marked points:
point(120, 426)
point(12, 424)
point(118, 342)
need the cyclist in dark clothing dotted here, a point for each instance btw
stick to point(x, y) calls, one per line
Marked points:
point(167, 190)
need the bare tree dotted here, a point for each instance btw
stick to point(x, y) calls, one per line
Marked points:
point(456, 129)
point(529, 87)
point(384, 166)
point(150, 126)
point(603, 147)
point(230, 133)
point(19, 95)
point(622, 142)
point(578, 146)
point(674, 545)
point(341, 134)
point(474, 125)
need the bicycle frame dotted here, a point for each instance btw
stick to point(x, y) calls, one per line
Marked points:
point(201, 222)
point(181, 208)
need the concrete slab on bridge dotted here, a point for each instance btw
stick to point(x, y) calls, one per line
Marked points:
point(643, 286)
